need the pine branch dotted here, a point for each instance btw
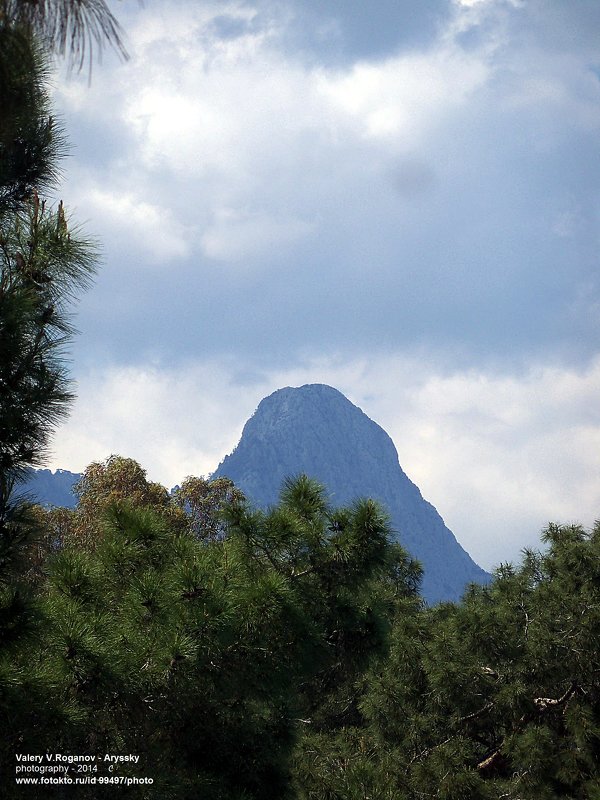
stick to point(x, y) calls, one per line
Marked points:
point(542, 705)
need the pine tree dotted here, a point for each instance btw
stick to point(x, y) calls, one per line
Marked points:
point(71, 29)
point(498, 696)
point(44, 261)
point(44, 264)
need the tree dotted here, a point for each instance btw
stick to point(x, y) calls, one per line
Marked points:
point(203, 501)
point(196, 506)
point(31, 141)
point(498, 696)
point(208, 656)
point(44, 263)
point(72, 29)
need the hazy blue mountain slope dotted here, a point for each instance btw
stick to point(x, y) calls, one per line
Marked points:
point(51, 488)
point(316, 430)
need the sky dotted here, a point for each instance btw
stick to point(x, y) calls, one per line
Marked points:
point(398, 198)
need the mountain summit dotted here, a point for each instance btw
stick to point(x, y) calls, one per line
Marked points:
point(315, 430)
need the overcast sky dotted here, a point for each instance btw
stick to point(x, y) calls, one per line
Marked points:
point(399, 198)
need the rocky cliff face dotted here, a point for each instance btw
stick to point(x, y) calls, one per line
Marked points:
point(316, 430)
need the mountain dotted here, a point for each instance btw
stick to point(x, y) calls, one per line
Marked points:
point(315, 430)
point(50, 488)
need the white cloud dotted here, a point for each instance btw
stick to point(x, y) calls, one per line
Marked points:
point(228, 149)
point(223, 105)
point(238, 236)
point(401, 99)
point(173, 423)
point(501, 455)
point(242, 143)
point(132, 220)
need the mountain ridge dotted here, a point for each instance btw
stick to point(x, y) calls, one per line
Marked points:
point(50, 488)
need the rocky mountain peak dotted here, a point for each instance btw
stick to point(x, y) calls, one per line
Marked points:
point(315, 429)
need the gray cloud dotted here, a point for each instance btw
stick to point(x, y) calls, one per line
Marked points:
point(343, 31)
point(294, 218)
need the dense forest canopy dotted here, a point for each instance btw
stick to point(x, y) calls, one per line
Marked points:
point(246, 654)
point(240, 654)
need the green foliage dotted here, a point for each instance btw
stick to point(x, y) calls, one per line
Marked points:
point(498, 696)
point(31, 142)
point(203, 502)
point(290, 656)
point(44, 264)
point(345, 575)
point(209, 656)
point(41, 267)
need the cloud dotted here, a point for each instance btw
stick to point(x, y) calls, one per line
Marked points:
point(504, 453)
point(236, 235)
point(401, 99)
point(344, 31)
point(173, 423)
point(133, 221)
point(443, 193)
